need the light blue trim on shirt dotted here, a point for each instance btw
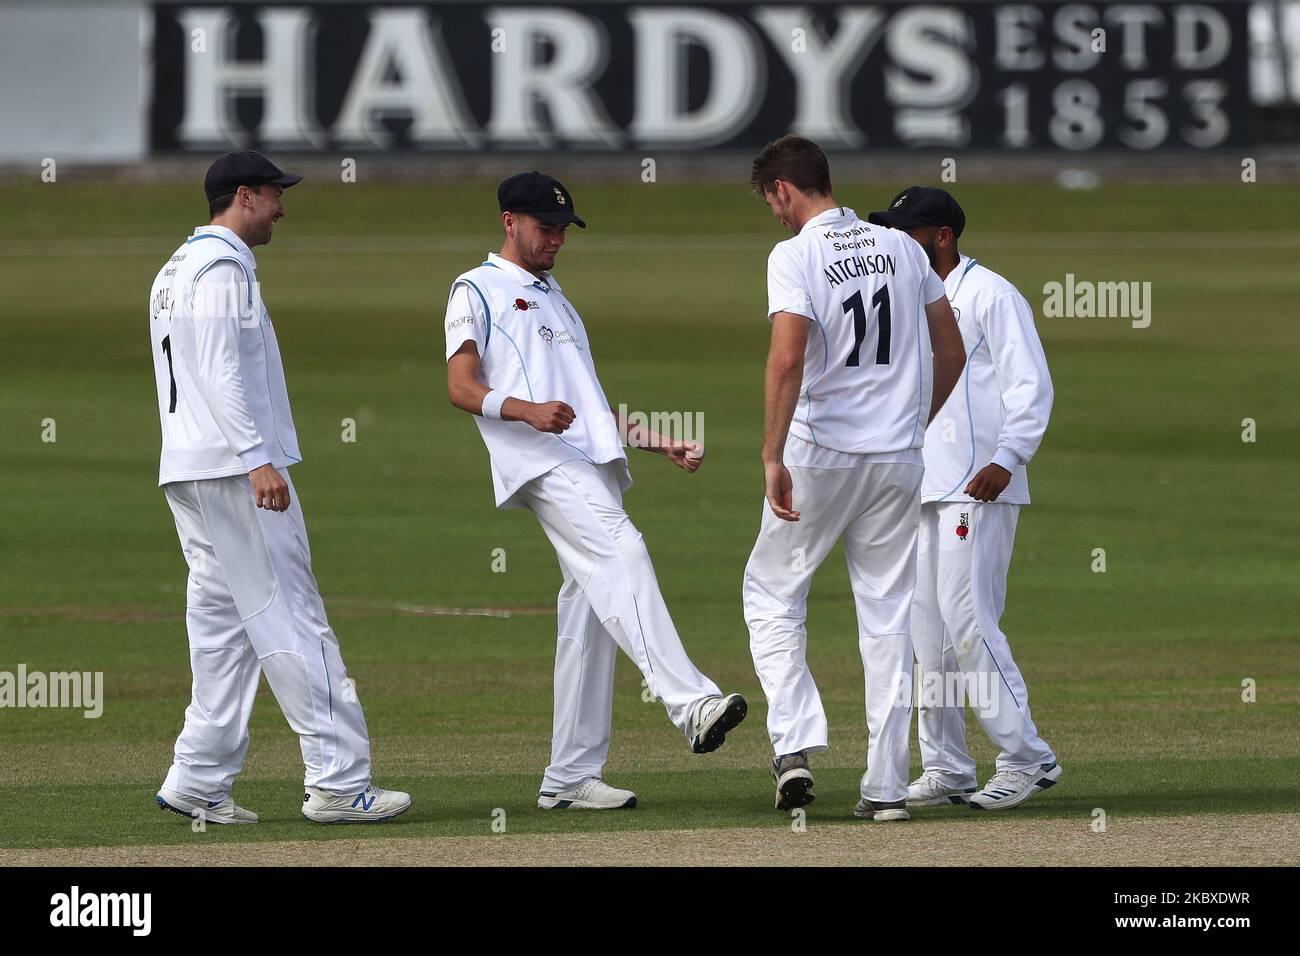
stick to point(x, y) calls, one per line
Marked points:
point(486, 309)
point(970, 418)
point(826, 363)
point(522, 366)
point(537, 283)
point(212, 235)
point(220, 259)
point(578, 450)
point(920, 380)
point(969, 266)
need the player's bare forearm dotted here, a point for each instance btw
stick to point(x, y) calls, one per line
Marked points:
point(782, 395)
point(636, 435)
point(466, 391)
point(781, 383)
point(782, 380)
point(687, 455)
point(949, 352)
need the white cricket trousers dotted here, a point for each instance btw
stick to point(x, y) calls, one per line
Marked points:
point(875, 506)
point(253, 606)
point(610, 599)
point(961, 591)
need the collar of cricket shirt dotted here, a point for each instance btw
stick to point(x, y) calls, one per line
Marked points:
point(225, 235)
point(525, 278)
point(834, 214)
point(964, 265)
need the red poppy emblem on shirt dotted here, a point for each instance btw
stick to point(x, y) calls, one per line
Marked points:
point(521, 305)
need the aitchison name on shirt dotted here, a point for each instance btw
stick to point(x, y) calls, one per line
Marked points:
point(855, 267)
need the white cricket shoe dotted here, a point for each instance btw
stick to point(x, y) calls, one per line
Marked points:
point(594, 794)
point(215, 811)
point(1010, 788)
point(929, 790)
point(883, 812)
point(713, 718)
point(371, 805)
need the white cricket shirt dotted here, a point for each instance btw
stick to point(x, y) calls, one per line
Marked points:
point(532, 346)
point(998, 411)
point(868, 368)
point(222, 398)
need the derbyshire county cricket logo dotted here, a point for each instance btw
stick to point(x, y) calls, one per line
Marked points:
point(963, 525)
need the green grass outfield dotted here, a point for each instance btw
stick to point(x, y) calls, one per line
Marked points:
point(1135, 674)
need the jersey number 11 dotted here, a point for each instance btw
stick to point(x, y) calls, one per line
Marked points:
point(854, 304)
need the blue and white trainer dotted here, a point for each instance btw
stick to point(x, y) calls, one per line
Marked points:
point(371, 805)
point(1010, 788)
point(929, 790)
point(209, 811)
point(591, 794)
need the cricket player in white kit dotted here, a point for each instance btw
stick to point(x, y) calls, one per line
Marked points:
point(976, 450)
point(519, 361)
point(228, 440)
point(864, 350)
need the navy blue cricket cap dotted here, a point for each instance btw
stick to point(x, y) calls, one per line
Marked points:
point(244, 167)
point(538, 195)
point(922, 206)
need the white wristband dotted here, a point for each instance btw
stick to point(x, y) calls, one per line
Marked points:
point(492, 403)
